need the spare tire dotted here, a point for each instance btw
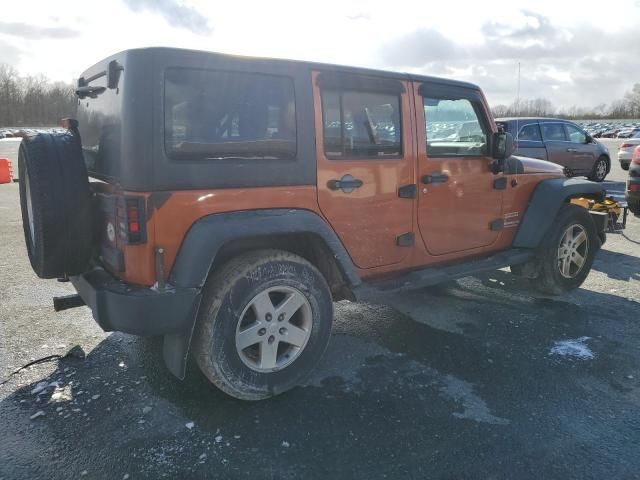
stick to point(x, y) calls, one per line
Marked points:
point(56, 204)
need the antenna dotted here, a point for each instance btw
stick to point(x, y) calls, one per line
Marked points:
point(518, 111)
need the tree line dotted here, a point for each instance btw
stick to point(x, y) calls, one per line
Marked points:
point(626, 107)
point(33, 101)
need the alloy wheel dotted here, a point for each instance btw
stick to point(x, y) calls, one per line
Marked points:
point(274, 328)
point(573, 250)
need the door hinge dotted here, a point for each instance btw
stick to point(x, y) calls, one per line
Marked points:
point(500, 183)
point(497, 224)
point(406, 239)
point(408, 191)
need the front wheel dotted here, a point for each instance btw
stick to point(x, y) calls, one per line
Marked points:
point(600, 168)
point(565, 259)
point(264, 323)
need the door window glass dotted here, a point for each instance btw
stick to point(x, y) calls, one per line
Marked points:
point(553, 131)
point(220, 115)
point(575, 134)
point(453, 128)
point(530, 133)
point(361, 124)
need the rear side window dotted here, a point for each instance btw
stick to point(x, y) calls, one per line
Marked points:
point(453, 128)
point(530, 133)
point(361, 124)
point(224, 115)
point(553, 131)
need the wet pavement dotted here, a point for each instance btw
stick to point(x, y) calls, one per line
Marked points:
point(480, 378)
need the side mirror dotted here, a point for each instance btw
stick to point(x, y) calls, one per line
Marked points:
point(588, 139)
point(502, 145)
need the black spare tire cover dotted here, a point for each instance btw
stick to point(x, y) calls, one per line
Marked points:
point(56, 204)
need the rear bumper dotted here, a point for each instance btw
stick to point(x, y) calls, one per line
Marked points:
point(117, 306)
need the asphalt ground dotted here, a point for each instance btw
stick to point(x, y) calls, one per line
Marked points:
point(480, 378)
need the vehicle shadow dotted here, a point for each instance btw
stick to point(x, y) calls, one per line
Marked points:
point(619, 266)
point(396, 391)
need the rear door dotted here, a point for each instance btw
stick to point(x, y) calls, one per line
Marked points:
point(365, 157)
point(584, 154)
point(458, 199)
point(558, 148)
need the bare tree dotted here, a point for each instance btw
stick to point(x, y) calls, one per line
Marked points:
point(33, 101)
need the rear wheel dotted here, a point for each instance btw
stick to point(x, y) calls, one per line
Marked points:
point(624, 166)
point(565, 259)
point(264, 323)
point(600, 168)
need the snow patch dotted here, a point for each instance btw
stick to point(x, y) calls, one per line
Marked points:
point(575, 347)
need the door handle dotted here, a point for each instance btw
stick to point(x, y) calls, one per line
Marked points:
point(347, 184)
point(435, 177)
point(572, 150)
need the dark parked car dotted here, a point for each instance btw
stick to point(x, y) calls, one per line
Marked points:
point(561, 142)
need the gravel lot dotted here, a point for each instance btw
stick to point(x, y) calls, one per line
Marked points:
point(482, 378)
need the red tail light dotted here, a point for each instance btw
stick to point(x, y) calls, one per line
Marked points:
point(635, 158)
point(626, 145)
point(136, 231)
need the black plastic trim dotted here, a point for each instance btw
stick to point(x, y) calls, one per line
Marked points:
point(117, 306)
point(210, 233)
point(408, 191)
point(545, 203)
point(500, 183)
point(497, 224)
point(406, 239)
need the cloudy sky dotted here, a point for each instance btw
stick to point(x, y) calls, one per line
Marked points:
point(571, 52)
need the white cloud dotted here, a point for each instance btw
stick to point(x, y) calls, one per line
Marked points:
point(570, 53)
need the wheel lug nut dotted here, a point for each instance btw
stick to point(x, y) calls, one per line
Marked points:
point(271, 339)
point(281, 317)
point(282, 330)
point(262, 331)
point(268, 317)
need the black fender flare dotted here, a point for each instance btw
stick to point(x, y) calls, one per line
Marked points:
point(545, 203)
point(206, 237)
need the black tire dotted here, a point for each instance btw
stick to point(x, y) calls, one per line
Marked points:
point(600, 169)
point(550, 280)
point(56, 204)
point(624, 166)
point(227, 295)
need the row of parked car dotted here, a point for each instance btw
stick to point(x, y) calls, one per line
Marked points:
point(611, 130)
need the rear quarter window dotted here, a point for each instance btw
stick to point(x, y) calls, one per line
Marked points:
point(210, 115)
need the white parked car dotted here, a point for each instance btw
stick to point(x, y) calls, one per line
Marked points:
point(626, 150)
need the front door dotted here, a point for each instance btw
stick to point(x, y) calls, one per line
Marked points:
point(557, 143)
point(459, 198)
point(364, 157)
point(584, 154)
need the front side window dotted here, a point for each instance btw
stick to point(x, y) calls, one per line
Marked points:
point(223, 115)
point(453, 128)
point(554, 132)
point(530, 133)
point(361, 124)
point(575, 134)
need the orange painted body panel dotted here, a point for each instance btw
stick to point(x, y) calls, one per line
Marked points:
point(170, 222)
point(369, 219)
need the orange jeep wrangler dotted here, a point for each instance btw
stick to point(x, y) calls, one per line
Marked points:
point(225, 202)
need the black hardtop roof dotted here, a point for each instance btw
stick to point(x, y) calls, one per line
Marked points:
point(293, 63)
